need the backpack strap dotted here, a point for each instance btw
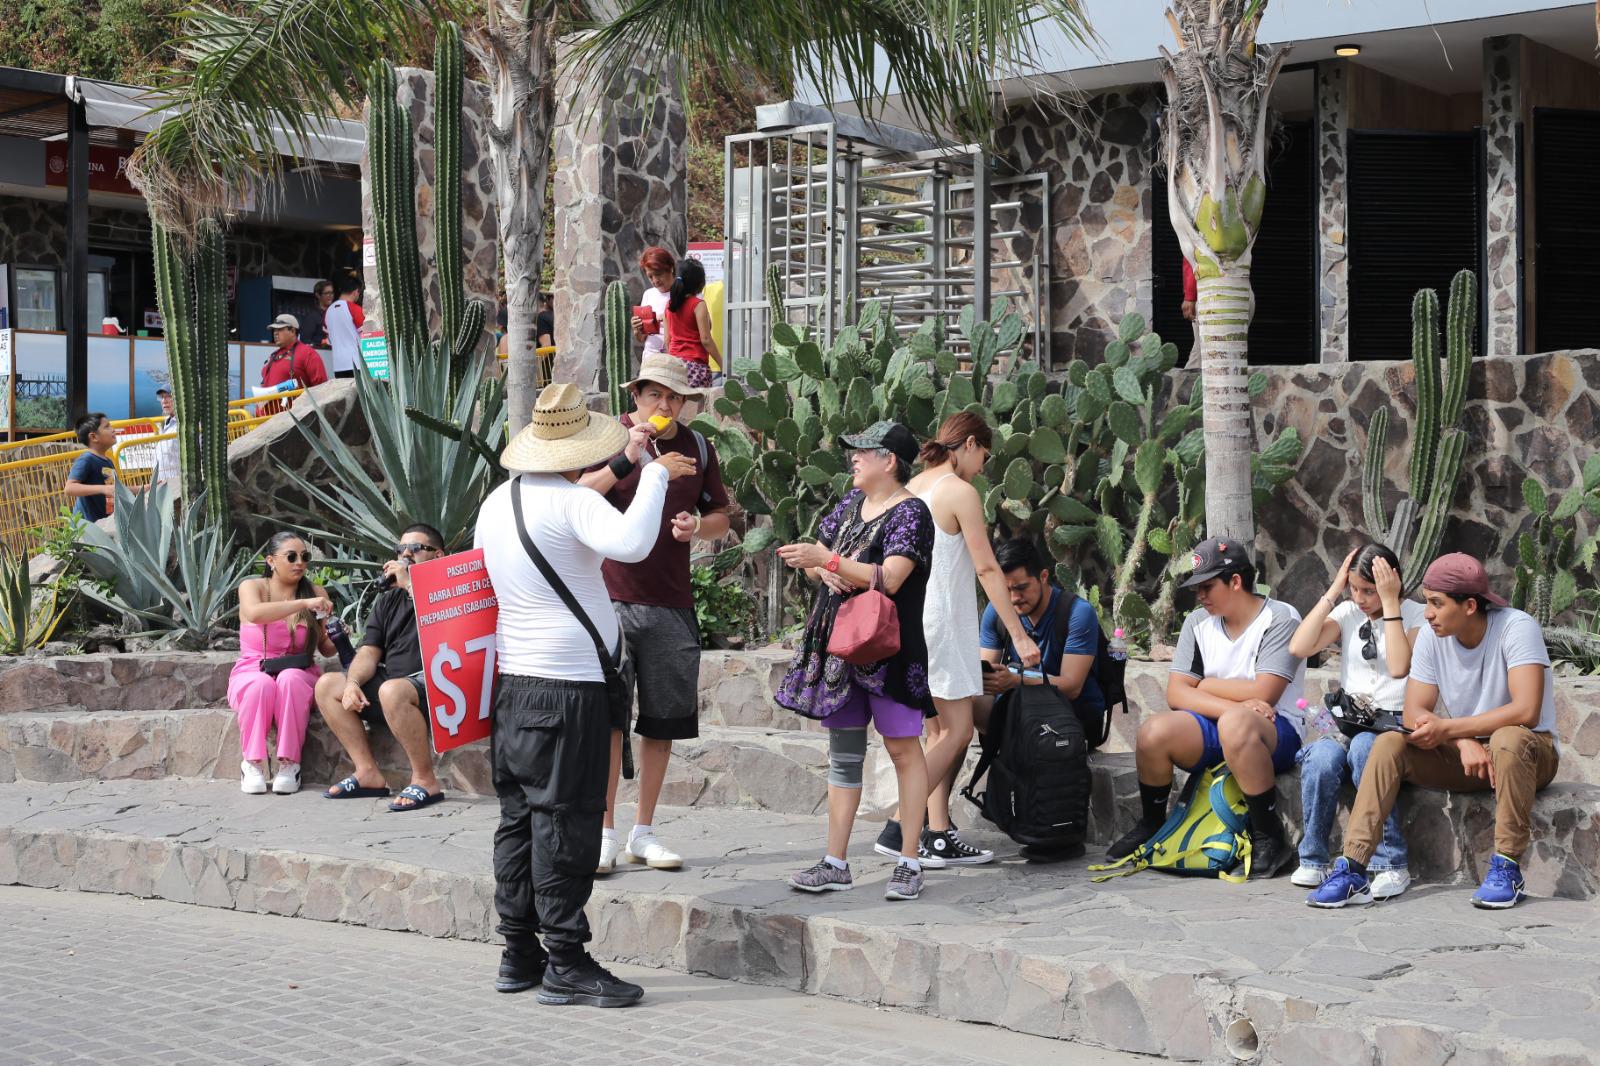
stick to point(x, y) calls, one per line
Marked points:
point(700, 447)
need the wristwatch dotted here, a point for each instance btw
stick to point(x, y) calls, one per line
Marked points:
point(832, 565)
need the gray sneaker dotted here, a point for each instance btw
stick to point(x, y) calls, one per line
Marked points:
point(823, 877)
point(904, 883)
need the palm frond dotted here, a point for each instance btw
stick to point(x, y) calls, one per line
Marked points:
point(943, 57)
point(272, 70)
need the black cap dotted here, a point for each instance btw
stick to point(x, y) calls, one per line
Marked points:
point(1214, 557)
point(892, 437)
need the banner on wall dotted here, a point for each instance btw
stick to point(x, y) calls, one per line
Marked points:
point(375, 354)
point(456, 616)
point(710, 254)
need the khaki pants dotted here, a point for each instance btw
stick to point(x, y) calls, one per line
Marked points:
point(1524, 762)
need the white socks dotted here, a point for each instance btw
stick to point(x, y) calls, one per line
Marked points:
point(640, 831)
point(837, 864)
point(608, 834)
point(914, 864)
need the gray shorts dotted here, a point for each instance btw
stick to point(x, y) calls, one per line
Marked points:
point(664, 646)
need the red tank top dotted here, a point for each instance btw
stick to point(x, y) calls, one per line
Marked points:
point(683, 332)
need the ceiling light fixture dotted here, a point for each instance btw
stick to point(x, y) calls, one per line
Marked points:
point(1347, 50)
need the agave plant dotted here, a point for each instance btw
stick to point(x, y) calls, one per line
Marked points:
point(28, 617)
point(437, 457)
point(171, 579)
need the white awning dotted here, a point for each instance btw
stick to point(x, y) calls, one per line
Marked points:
point(128, 107)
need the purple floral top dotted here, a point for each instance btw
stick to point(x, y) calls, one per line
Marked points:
point(818, 684)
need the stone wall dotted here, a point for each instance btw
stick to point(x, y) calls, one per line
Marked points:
point(1333, 292)
point(260, 460)
point(1502, 114)
point(1099, 245)
point(35, 232)
point(619, 189)
point(1534, 415)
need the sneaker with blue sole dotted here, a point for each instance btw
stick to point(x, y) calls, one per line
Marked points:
point(1344, 887)
point(1502, 886)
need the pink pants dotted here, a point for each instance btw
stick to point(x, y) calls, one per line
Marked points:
point(261, 700)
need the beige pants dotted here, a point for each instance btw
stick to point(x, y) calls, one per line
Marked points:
point(1524, 762)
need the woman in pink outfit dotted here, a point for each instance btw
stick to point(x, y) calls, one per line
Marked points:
point(280, 630)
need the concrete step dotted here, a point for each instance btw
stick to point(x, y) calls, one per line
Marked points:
point(1191, 970)
point(730, 767)
point(154, 681)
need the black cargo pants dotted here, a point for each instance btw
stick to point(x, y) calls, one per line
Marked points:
point(549, 754)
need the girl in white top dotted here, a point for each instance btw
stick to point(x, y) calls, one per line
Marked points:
point(961, 553)
point(1375, 630)
point(659, 268)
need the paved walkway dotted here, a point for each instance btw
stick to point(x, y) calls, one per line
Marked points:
point(111, 981)
point(1148, 963)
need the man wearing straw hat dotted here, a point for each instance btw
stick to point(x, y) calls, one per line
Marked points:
point(544, 538)
point(655, 598)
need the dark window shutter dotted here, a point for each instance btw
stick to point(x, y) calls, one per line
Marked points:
point(1566, 219)
point(1415, 219)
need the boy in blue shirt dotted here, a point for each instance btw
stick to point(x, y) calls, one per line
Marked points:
point(87, 485)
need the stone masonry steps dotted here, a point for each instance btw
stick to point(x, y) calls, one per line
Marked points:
point(1191, 970)
point(784, 771)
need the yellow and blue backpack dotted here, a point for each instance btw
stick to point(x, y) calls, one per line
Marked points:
point(1206, 836)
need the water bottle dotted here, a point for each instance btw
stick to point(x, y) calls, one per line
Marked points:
point(1117, 647)
point(1322, 722)
point(341, 640)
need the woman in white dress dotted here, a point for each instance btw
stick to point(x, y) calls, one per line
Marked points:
point(961, 554)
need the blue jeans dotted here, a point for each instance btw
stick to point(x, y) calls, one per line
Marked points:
point(1322, 766)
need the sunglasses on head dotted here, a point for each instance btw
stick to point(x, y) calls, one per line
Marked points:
point(294, 557)
point(1369, 650)
point(412, 548)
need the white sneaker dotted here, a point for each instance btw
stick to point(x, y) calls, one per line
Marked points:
point(652, 853)
point(287, 781)
point(252, 782)
point(1387, 884)
point(610, 847)
point(1309, 876)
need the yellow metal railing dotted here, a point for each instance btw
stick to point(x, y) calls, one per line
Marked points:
point(33, 483)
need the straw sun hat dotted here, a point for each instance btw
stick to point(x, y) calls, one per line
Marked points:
point(668, 370)
point(563, 435)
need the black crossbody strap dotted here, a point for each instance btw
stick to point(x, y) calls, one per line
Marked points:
point(607, 666)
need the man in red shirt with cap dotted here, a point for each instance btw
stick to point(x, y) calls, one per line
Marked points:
point(1480, 714)
point(293, 359)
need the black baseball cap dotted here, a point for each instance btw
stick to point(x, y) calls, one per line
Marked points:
point(892, 437)
point(1215, 557)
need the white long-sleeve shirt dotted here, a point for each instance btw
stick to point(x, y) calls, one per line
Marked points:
point(575, 529)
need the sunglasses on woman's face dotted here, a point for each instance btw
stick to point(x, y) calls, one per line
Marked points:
point(1369, 650)
point(294, 557)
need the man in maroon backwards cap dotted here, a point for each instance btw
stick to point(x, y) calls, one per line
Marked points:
point(1485, 665)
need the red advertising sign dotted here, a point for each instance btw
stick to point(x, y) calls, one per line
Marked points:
point(108, 167)
point(456, 615)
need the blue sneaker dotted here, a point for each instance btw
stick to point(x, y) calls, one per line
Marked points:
point(1342, 888)
point(1502, 886)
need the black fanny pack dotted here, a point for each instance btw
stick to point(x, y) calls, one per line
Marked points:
point(1356, 714)
point(299, 661)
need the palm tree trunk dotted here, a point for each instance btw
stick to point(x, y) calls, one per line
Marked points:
point(1222, 320)
point(518, 54)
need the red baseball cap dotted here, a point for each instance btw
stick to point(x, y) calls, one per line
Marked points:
point(1461, 575)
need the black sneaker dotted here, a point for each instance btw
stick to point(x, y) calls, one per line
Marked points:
point(588, 984)
point(1130, 841)
point(520, 970)
point(1043, 856)
point(889, 841)
point(939, 848)
point(1269, 856)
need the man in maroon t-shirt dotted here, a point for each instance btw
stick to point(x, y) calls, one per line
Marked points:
point(655, 601)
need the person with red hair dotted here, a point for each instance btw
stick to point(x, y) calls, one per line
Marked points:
point(659, 270)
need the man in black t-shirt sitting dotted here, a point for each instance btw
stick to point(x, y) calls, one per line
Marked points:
point(386, 678)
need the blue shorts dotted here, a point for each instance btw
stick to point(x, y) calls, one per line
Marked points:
point(1282, 756)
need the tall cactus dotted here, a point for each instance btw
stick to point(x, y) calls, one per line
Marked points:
point(775, 294)
point(618, 345)
point(191, 293)
point(1437, 441)
point(394, 213)
point(449, 80)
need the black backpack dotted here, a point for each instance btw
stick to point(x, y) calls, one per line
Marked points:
point(1037, 759)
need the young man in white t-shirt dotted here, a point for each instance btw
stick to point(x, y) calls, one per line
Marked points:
point(1233, 690)
point(1375, 629)
point(1487, 665)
